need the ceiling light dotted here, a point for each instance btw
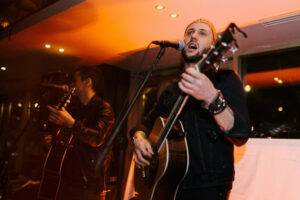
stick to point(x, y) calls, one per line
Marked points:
point(280, 109)
point(174, 15)
point(276, 78)
point(3, 68)
point(159, 7)
point(280, 81)
point(48, 46)
point(61, 50)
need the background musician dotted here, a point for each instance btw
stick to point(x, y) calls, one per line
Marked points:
point(90, 119)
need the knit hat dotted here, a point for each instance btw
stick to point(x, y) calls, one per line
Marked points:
point(206, 22)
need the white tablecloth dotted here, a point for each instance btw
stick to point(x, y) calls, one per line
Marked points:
point(267, 169)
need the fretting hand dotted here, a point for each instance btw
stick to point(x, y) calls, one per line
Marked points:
point(197, 85)
point(61, 117)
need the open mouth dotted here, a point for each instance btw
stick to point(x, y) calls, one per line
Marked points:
point(192, 46)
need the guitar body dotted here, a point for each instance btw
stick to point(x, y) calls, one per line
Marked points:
point(167, 169)
point(51, 178)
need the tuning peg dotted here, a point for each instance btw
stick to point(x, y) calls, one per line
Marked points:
point(212, 46)
point(216, 53)
point(224, 59)
point(224, 44)
point(233, 49)
point(216, 66)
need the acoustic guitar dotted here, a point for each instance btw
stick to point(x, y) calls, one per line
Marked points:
point(169, 165)
point(62, 141)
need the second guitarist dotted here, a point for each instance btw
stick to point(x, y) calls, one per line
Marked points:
point(214, 118)
point(89, 120)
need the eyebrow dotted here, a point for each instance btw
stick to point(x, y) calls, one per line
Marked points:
point(201, 29)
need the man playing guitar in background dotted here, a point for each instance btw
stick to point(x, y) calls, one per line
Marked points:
point(89, 120)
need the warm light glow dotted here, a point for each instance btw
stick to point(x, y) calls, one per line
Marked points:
point(3, 68)
point(36, 105)
point(114, 27)
point(61, 50)
point(247, 88)
point(280, 109)
point(160, 7)
point(19, 105)
point(278, 80)
point(267, 78)
point(48, 46)
point(173, 15)
point(4, 24)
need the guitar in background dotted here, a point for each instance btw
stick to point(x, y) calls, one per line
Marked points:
point(51, 177)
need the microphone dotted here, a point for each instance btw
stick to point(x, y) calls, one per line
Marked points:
point(64, 87)
point(179, 44)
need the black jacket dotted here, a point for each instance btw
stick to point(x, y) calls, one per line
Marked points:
point(210, 153)
point(92, 126)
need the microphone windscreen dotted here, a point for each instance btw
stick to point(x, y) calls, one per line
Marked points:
point(180, 45)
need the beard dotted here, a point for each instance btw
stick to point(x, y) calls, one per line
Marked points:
point(194, 58)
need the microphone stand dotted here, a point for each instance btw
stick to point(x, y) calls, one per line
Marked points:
point(117, 127)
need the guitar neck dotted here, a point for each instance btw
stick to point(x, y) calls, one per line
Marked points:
point(65, 99)
point(175, 112)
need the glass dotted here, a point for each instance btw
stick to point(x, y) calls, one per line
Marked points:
point(273, 95)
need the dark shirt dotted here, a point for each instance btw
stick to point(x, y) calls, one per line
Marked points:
point(92, 126)
point(211, 161)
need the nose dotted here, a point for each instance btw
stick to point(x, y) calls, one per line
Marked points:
point(194, 36)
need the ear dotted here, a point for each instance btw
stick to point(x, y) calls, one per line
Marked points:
point(88, 82)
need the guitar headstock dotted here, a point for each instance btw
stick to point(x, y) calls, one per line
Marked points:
point(65, 100)
point(224, 43)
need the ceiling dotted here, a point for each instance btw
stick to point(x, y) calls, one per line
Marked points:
point(116, 32)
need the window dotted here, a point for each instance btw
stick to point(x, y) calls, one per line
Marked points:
point(272, 80)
